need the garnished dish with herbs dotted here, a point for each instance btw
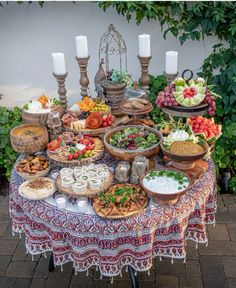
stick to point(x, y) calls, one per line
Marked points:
point(166, 181)
point(120, 200)
point(133, 139)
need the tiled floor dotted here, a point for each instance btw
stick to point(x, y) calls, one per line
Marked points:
point(213, 266)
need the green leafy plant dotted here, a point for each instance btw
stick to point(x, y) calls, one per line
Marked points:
point(156, 84)
point(9, 118)
point(119, 76)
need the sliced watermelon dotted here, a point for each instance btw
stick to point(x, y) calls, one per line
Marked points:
point(205, 128)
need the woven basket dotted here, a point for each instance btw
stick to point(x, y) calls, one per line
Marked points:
point(129, 155)
point(29, 144)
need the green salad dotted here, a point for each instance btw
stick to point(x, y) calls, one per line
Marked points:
point(133, 138)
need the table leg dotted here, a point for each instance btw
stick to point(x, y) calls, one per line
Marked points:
point(51, 266)
point(133, 278)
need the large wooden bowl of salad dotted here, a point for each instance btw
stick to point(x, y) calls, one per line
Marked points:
point(127, 142)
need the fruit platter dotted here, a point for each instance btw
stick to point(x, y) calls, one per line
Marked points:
point(205, 128)
point(120, 201)
point(84, 181)
point(37, 111)
point(187, 98)
point(72, 150)
point(127, 142)
point(183, 148)
point(94, 118)
point(165, 186)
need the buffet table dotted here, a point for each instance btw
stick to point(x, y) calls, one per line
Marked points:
point(88, 240)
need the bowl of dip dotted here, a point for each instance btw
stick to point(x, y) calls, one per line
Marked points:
point(165, 185)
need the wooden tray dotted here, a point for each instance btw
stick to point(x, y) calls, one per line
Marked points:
point(90, 132)
point(132, 111)
point(181, 111)
point(73, 163)
point(122, 216)
point(89, 193)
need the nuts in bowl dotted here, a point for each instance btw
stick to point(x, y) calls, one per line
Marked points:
point(33, 167)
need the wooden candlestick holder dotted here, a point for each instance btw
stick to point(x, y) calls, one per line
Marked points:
point(84, 80)
point(61, 88)
point(144, 62)
point(170, 77)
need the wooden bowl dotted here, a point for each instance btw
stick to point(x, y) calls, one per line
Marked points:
point(184, 162)
point(129, 155)
point(39, 118)
point(165, 199)
point(28, 138)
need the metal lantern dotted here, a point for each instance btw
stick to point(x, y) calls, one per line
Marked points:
point(112, 43)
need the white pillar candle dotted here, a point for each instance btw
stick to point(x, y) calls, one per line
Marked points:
point(58, 61)
point(171, 62)
point(81, 46)
point(144, 45)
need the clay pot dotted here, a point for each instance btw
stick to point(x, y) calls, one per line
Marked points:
point(114, 94)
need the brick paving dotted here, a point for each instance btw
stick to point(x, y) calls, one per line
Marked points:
point(210, 267)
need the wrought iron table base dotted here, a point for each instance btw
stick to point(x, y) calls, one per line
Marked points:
point(133, 277)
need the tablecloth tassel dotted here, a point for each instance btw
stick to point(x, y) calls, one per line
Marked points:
point(135, 273)
point(20, 235)
point(75, 272)
point(61, 268)
point(101, 276)
point(44, 255)
point(148, 272)
point(111, 280)
point(160, 258)
point(185, 243)
point(207, 243)
point(126, 268)
point(120, 274)
point(87, 273)
point(172, 260)
point(13, 233)
point(214, 224)
point(196, 245)
point(96, 268)
point(184, 260)
point(32, 256)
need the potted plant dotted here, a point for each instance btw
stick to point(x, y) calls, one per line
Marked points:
point(114, 87)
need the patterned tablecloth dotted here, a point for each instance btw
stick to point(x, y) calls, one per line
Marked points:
point(88, 240)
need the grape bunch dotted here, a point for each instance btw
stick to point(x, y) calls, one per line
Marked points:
point(210, 100)
point(165, 98)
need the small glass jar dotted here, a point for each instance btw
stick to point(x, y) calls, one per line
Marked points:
point(61, 201)
point(82, 204)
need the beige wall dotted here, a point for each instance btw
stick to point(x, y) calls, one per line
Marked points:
point(28, 35)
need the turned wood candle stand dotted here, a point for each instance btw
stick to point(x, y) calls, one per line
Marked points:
point(61, 88)
point(84, 80)
point(144, 62)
